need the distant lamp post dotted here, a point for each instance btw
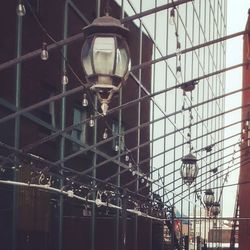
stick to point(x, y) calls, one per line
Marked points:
point(189, 169)
point(215, 209)
point(105, 57)
point(208, 198)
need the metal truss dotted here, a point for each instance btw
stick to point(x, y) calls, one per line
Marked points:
point(144, 185)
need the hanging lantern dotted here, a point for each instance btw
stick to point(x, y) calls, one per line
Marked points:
point(215, 209)
point(189, 169)
point(208, 198)
point(105, 57)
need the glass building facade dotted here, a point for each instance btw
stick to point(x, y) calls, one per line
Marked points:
point(150, 126)
point(189, 25)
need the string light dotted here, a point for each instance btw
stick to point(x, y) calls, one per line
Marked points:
point(44, 52)
point(98, 202)
point(116, 148)
point(65, 79)
point(178, 72)
point(178, 48)
point(172, 16)
point(70, 193)
point(20, 9)
point(91, 121)
point(126, 158)
point(105, 134)
point(183, 102)
point(2, 169)
point(85, 101)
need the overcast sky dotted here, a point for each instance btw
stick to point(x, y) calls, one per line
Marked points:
point(236, 21)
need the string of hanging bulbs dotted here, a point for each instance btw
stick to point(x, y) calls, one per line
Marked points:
point(189, 168)
point(65, 80)
point(173, 20)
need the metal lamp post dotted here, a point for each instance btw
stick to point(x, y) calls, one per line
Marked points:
point(189, 169)
point(105, 57)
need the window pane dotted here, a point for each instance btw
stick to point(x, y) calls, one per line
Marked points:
point(104, 55)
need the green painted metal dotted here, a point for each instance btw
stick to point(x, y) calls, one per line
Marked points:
point(17, 123)
point(63, 123)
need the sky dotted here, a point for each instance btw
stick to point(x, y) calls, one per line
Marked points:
point(236, 21)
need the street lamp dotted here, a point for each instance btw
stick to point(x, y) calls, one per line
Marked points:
point(105, 57)
point(208, 198)
point(215, 209)
point(189, 169)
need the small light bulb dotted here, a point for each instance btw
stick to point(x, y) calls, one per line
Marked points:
point(178, 72)
point(44, 52)
point(126, 158)
point(65, 79)
point(247, 123)
point(91, 121)
point(98, 202)
point(178, 48)
point(243, 130)
point(130, 165)
point(133, 173)
point(105, 134)
point(20, 9)
point(183, 109)
point(172, 16)
point(147, 184)
point(85, 101)
point(116, 148)
point(183, 103)
point(70, 193)
point(142, 180)
point(2, 170)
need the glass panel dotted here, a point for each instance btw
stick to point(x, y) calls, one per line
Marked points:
point(117, 134)
point(104, 55)
point(121, 59)
point(86, 57)
point(79, 132)
point(52, 112)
